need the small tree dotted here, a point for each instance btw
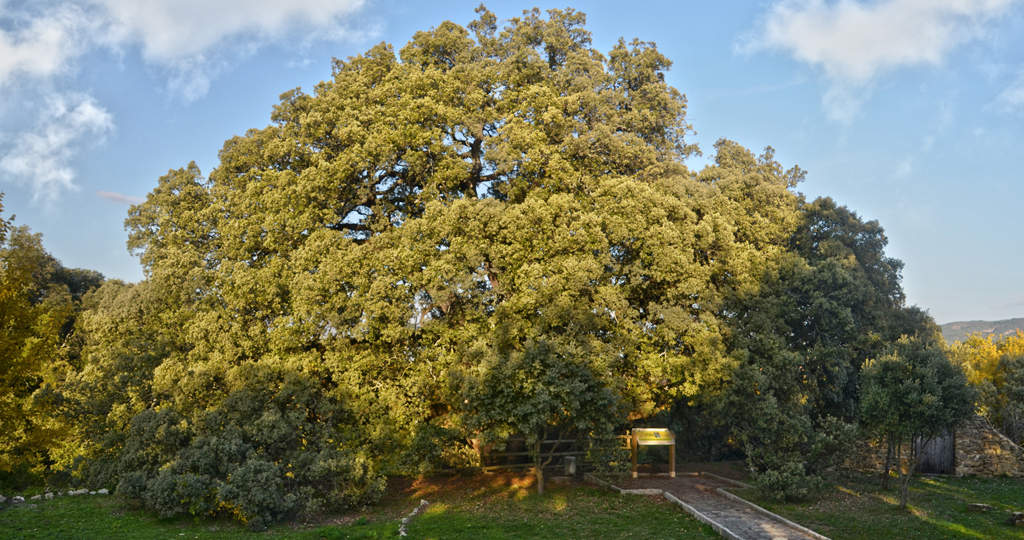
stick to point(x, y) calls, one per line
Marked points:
point(912, 394)
point(536, 393)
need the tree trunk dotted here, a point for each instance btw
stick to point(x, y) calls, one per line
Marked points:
point(905, 484)
point(887, 466)
point(905, 479)
point(538, 467)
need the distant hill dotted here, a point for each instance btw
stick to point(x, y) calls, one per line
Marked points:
point(957, 331)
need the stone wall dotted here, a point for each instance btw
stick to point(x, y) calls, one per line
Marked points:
point(980, 450)
point(867, 456)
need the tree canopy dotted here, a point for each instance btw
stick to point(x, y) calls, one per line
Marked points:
point(493, 230)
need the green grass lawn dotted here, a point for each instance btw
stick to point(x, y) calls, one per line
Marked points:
point(488, 506)
point(855, 508)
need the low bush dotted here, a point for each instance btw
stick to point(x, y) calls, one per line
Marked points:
point(264, 455)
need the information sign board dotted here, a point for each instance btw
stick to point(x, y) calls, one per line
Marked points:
point(654, 436)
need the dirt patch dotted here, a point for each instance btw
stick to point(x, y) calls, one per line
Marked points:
point(682, 484)
point(490, 485)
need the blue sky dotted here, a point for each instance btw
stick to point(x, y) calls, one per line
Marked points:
point(910, 112)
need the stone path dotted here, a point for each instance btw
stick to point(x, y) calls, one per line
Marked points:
point(734, 519)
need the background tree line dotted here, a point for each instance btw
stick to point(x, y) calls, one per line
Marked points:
point(40, 301)
point(995, 366)
point(492, 231)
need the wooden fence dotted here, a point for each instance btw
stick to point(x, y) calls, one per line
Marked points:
point(937, 456)
point(515, 455)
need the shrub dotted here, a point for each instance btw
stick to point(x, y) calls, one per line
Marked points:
point(257, 491)
point(787, 481)
point(264, 454)
point(436, 448)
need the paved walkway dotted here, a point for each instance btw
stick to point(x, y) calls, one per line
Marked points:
point(737, 518)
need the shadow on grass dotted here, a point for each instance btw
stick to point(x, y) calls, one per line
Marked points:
point(857, 509)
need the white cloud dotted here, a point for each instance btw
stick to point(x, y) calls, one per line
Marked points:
point(42, 39)
point(43, 44)
point(120, 197)
point(188, 37)
point(41, 158)
point(174, 29)
point(854, 42)
point(190, 42)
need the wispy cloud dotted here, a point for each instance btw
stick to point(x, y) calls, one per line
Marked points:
point(190, 78)
point(854, 42)
point(1012, 98)
point(299, 63)
point(904, 168)
point(758, 89)
point(842, 102)
point(41, 157)
point(942, 121)
point(120, 197)
point(190, 42)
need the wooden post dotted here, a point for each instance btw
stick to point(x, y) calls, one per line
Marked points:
point(672, 461)
point(635, 443)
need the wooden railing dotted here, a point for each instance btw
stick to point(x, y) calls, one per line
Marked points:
point(517, 456)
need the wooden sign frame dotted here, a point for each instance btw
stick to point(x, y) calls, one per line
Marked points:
point(653, 437)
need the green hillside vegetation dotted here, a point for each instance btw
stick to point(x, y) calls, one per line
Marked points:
point(960, 330)
point(490, 231)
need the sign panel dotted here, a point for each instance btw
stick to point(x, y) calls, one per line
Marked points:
point(653, 436)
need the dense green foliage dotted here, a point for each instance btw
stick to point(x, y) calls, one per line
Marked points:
point(995, 367)
point(825, 304)
point(910, 396)
point(493, 231)
point(539, 394)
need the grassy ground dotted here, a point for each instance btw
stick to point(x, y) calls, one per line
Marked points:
point(855, 508)
point(489, 506)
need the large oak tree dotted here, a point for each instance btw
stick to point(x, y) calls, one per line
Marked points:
point(490, 218)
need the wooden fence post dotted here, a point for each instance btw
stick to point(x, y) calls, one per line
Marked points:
point(672, 460)
point(635, 443)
